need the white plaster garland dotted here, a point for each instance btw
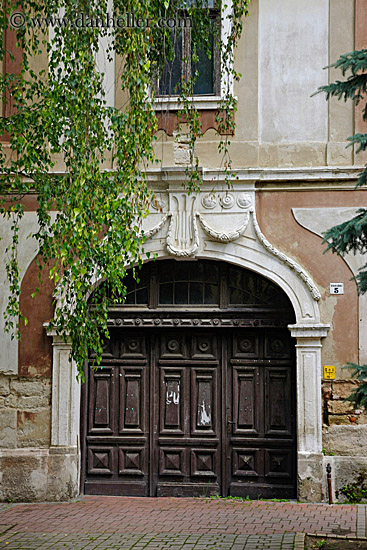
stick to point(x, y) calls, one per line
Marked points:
point(221, 236)
point(285, 260)
point(151, 232)
point(227, 237)
point(158, 203)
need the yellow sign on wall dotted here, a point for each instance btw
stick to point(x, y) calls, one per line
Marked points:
point(329, 372)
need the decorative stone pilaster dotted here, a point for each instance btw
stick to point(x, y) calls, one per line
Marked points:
point(309, 413)
point(308, 348)
point(65, 396)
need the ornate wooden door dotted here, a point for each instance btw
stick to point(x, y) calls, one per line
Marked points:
point(193, 412)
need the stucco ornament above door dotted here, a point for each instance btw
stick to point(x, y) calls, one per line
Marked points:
point(222, 215)
point(212, 222)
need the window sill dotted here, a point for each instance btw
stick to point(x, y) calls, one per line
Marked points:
point(200, 103)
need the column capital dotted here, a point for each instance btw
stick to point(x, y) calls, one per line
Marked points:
point(304, 330)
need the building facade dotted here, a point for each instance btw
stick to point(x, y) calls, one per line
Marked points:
point(213, 380)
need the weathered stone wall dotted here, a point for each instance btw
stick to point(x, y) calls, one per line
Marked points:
point(25, 411)
point(39, 474)
point(344, 436)
point(30, 469)
point(337, 411)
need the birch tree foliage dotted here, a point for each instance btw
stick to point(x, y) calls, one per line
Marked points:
point(61, 113)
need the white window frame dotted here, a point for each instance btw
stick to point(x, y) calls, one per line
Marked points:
point(206, 102)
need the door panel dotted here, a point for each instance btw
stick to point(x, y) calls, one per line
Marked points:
point(117, 438)
point(204, 401)
point(278, 419)
point(261, 442)
point(101, 410)
point(132, 396)
point(172, 400)
point(245, 400)
point(188, 444)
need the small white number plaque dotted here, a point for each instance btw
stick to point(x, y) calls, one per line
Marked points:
point(336, 288)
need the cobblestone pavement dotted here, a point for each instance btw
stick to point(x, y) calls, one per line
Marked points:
point(106, 523)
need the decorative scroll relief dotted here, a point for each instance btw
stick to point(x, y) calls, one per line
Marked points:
point(287, 261)
point(183, 235)
point(221, 236)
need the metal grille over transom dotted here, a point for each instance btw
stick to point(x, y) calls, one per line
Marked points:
point(196, 391)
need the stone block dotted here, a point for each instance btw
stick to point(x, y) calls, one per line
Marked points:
point(34, 428)
point(339, 407)
point(62, 480)
point(338, 420)
point(8, 428)
point(310, 475)
point(4, 385)
point(362, 419)
point(24, 476)
point(347, 470)
point(343, 388)
point(338, 154)
point(33, 402)
point(292, 154)
point(31, 387)
point(348, 440)
point(30, 475)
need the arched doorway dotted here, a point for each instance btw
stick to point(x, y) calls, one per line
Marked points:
point(196, 393)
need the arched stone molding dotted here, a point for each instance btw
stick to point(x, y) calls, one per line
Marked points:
point(229, 233)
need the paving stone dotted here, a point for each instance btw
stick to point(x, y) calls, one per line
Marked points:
point(119, 523)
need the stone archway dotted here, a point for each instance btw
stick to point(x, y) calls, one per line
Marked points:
point(199, 228)
point(196, 391)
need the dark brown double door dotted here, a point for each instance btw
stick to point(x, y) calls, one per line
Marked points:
point(192, 412)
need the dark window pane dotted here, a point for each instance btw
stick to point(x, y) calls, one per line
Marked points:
point(165, 271)
point(142, 296)
point(182, 270)
point(205, 66)
point(195, 271)
point(235, 296)
point(211, 273)
point(166, 293)
point(234, 276)
point(169, 83)
point(130, 298)
point(181, 293)
point(196, 293)
point(211, 294)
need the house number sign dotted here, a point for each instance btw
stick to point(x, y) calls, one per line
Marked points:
point(336, 288)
